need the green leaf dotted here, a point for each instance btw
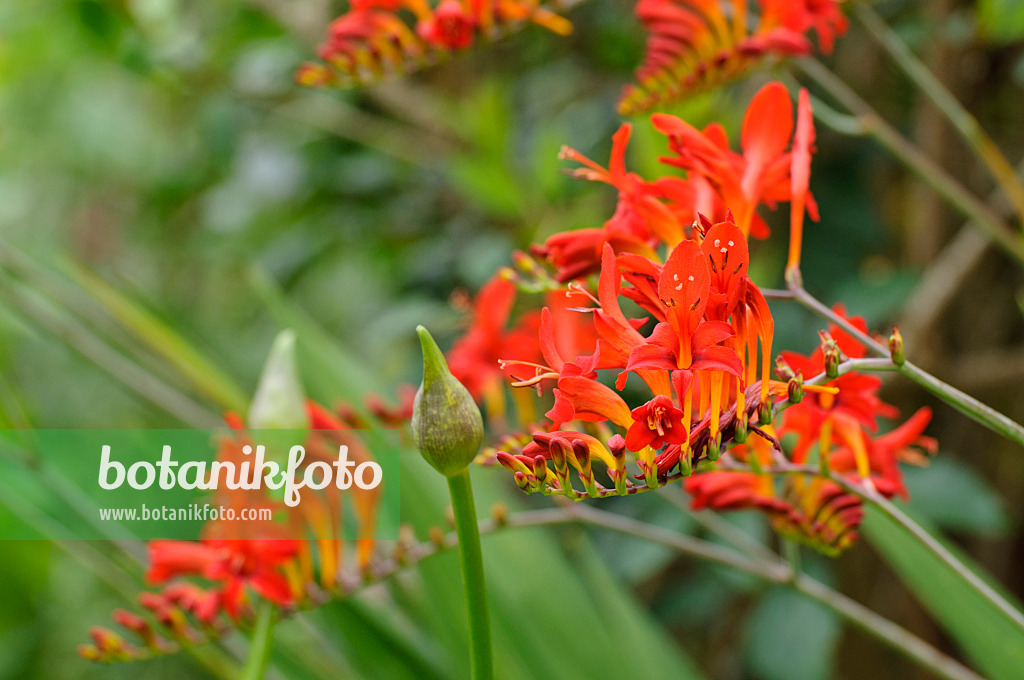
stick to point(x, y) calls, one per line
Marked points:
point(954, 497)
point(1001, 20)
point(992, 641)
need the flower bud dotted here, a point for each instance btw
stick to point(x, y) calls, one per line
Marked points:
point(280, 402)
point(714, 448)
point(741, 430)
point(796, 389)
point(540, 469)
point(783, 369)
point(832, 356)
point(446, 422)
point(764, 412)
point(896, 352)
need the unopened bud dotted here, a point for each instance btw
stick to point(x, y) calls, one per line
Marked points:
point(280, 401)
point(446, 422)
point(617, 447)
point(830, 350)
point(796, 389)
point(764, 412)
point(686, 460)
point(741, 430)
point(896, 352)
point(581, 451)
point(783, 369)
point(560, 451)
point(540, 468)
point(714, 448)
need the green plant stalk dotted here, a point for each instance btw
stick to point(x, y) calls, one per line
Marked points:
point(954, 193)
point(961, 401)
point(961, 119)
point(259, 649)
point(471, 557)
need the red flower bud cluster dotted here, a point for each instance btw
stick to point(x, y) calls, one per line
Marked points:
point(378, 38)
point(695, 45)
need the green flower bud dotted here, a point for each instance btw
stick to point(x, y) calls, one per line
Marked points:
point(896, 351)
point(446, 423)
point(280, 402)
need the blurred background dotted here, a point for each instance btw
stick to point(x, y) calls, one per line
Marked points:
point(170, 199)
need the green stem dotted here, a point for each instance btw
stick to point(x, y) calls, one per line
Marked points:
point(259, 649)
point(961, 119)
point(961, 401)
point(471, 557)
point(910, 155)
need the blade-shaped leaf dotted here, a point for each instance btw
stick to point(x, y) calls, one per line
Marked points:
point(992, 641)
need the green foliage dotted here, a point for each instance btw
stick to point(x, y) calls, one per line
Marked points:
point(1001, 20)
point(989, 638)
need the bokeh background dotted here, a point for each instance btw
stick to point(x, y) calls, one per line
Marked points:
point(170, 199)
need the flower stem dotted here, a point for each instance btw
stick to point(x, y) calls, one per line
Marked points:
point(961, 119)
point(259, 649)
point(910, 155)
point(471, 557)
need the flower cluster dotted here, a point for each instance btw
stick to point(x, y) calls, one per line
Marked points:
point(694, 45)
point(701, 357)
point(283, 560)
point(834, 430)
point(378, 38)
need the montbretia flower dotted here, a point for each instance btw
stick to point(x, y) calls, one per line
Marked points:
point(764, 172)
point(694, 45)
point(474, 357)
point(281, 561)
point(237, 565)
point(373, 40)
point(647, 213)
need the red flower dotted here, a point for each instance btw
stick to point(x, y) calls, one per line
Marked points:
point(451, 26)
point(885, 452)
point(237, 564)
point(656, 423)
point(762, 174)
point(641, 218)
point(474, 358)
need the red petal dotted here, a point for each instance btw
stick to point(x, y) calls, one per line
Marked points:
point(717, 358)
